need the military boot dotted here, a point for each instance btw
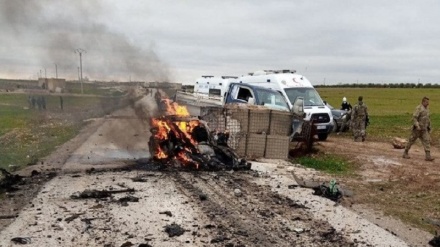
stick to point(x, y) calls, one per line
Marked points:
point(405, 154)
point(428, 156)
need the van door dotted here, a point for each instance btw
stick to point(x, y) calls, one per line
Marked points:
point(240, 94)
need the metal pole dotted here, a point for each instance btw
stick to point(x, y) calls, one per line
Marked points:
point(80, 66)
point(80, 51)
point(56, 71)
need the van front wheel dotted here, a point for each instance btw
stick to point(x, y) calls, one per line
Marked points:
point(322, 137)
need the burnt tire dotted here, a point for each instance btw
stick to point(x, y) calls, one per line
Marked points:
point(335, 126)
point(307, 134)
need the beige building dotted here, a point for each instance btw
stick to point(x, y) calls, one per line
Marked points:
point(52, 84)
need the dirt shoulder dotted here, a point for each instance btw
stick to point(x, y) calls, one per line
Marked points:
point(35, 176)
point(385, 184)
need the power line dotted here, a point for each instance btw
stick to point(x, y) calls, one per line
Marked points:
point(80, 52)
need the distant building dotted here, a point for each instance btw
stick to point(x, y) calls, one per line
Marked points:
point(52, 84)
point(162, 84)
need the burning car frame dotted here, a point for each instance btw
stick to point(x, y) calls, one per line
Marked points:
point(178, 139)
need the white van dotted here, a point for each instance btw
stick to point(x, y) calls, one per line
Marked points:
point(213, 86)
point(293, 85)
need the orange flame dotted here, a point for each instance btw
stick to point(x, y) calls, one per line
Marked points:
point(184, 159)
point(160, 154)
point(172, 108)
point(185, 127)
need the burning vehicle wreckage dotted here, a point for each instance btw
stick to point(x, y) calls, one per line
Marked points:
point(180, 140)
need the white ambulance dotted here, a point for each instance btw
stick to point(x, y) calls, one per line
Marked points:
point(293, 85)
point(214, 86)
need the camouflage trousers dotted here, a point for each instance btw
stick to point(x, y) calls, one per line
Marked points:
point(424, 137)
point(358, 127)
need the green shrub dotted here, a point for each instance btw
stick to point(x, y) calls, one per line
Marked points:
point(327, 163)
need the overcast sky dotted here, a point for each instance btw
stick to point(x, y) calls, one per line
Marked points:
point(340, 41)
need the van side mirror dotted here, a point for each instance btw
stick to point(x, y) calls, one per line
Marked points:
point(298, 106)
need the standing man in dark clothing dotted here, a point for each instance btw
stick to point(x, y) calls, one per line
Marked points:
point(346, 106)
point(421, 129)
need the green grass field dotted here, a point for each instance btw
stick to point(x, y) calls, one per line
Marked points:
point(390, 109)
point(27, 135)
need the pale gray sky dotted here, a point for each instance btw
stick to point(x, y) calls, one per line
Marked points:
point(333, 41)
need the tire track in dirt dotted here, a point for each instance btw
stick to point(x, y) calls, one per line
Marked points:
point(257, 217)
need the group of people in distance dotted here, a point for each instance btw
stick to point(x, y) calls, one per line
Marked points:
point(421, 128)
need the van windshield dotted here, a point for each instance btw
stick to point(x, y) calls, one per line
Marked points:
point(272, 99)
point(311, 97)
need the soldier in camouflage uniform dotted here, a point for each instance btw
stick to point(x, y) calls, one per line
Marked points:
point(421, 129)
point(359, 116)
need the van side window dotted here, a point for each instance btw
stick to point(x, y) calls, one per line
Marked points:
point(244, 94)
point(214, 92)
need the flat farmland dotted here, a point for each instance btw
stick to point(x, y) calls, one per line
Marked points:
point(27, 134)
point(381, 178)
point(390, 109)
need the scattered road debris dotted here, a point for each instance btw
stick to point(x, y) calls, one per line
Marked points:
point(435, 241)
point(73, 217)
point(238, 193)
point(203, 197)
point(126, 199)
point(8, 180)
point(168, 213)
point(399, 143)
point(5, 217)
point(86, 194)
point(219, 239)
point(329, 190)
point(174, 230)
point(21, 240)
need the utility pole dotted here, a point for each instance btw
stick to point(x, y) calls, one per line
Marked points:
point(80, 52)
point(56, 71)
point(45, 74)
